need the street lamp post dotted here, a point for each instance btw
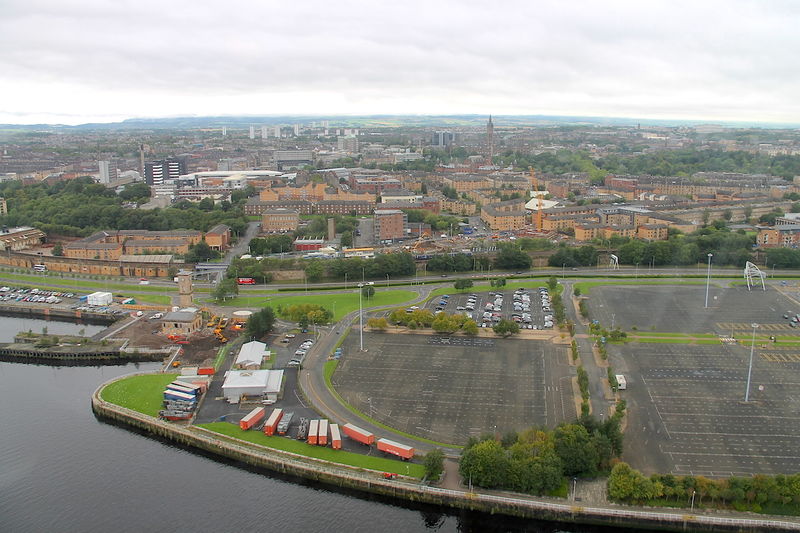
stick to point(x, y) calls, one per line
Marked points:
point(345, 281)
point(708, 277)
point(361, 315)
point(750, 367)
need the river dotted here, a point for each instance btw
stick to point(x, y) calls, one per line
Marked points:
point(61, 469)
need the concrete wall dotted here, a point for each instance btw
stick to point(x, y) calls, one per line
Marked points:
point(368, 481)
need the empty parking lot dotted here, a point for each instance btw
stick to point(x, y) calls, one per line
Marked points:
point(688, 412)
point(682, 309)
point(451, 388)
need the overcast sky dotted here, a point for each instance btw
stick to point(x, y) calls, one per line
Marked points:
point(72, 62)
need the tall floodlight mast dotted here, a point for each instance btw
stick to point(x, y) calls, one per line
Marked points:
point(753, 273)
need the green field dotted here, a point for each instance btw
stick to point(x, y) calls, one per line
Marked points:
point(140, 393)
point(319, 452)
point(160, 299)
point(339, 304)
point(51, 281)
point(586, 286)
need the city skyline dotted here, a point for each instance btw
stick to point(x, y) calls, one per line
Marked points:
point(97, 62)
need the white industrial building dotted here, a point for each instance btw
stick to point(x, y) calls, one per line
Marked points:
point(251, 355)
point(252, 383)
point(99, 298)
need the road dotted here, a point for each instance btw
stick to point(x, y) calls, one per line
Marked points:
point(312, 379)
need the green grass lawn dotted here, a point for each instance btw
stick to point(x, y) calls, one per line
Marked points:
point(51, 281)
point(140, 393)
point(160, 299)
point(339, 304)
point(319, 452)
point(586, 286)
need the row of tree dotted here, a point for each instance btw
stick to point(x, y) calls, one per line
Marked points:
point(80, 207)
point(535, 461)
point(743, 493)
point(683, 162)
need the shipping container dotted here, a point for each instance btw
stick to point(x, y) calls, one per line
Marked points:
point(395, 448)
point(284, 424)
point(322, 433)
point(313, 428)
point(99, 298)
point(189, 371)
point(252, 418)
point(180, 388)
point(336, 438)
point(205, 371)
point(177, 395)
point(358, 434)
point(196, 389)
point(272, 421)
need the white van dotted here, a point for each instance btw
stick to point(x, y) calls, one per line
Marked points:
point(621, 383)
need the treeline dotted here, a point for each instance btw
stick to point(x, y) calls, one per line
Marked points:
point(759, 493)
point(80, 207)
point(535, 461)
point(436, 222)
point(728, 248)
point(683, 162)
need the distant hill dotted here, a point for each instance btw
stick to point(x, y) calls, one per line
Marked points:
point(367, 121)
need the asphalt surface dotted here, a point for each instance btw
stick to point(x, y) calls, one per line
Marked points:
point(448, 389)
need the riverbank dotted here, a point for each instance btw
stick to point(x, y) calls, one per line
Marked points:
point(373, 482)
point(61, 314)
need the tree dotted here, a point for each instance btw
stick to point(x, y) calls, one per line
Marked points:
point(368, 291)
point(470, 327)
point(444, 323)
point(511, 258)
point(573, 446)
point(260, 323)
point(461, 284)
point(347, 239)
point(377, 324)
point(434, 464)
point(552, 283)
point(200, 252)
point(58, 250)
point(227, 288)
point(314, 271)
point(498, 282)
point(506, 327)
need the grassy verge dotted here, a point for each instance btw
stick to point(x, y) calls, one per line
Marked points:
point(330, 368)
point(318, 452)
point(51, 281)
point(221, 356)
point(586, 286)
point(160, 299)
point(140, 393)
point(339, 303)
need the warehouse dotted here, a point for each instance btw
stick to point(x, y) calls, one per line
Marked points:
point(252, 383)
point(251, 355)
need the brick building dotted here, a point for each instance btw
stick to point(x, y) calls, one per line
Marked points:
point(390, 224)
point(279, 220)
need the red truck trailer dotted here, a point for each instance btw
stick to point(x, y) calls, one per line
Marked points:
point(252, 418)
point(313, 428)
point(272, 421)
point(395, 448)
point(322, 434)
point(336, 437)
point(205, 371)
point(358, 434)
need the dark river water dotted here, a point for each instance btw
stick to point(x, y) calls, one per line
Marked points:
point(62, 470)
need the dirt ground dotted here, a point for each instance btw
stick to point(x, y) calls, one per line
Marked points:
point(202, 347)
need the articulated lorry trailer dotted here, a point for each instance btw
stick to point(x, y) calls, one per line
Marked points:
point(395, 448)
point(272, 421)
point(252, 418)
point(357, 434)
point(336, 437)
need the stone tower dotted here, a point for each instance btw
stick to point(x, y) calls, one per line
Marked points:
point(185, 290)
